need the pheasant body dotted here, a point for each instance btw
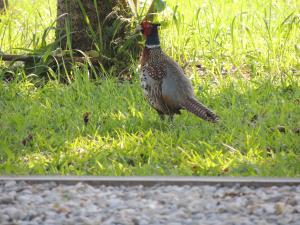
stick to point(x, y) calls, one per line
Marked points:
point(152, 75)
point(164, 84)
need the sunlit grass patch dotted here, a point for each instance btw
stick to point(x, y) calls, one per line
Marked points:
point(23, 25)
point(124, 136)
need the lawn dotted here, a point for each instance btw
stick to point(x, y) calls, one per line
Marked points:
point(243, 58)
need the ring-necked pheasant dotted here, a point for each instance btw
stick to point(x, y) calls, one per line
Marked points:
point(165, 86)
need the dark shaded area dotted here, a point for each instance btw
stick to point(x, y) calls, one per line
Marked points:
point(103, 27)
point(3, 4)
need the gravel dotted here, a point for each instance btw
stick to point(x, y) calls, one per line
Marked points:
point(50, 203)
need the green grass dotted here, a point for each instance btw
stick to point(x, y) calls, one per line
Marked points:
point(250, 78)
point(23, 25)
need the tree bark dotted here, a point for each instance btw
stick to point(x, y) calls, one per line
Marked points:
point(3, 4)
point(101, 25)
point(83, 21)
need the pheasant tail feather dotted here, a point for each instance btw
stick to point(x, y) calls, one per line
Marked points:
point(200, 110)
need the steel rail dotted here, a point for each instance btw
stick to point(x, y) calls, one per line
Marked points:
point(156, 180)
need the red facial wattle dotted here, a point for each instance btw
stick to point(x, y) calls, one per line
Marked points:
point(147, 28)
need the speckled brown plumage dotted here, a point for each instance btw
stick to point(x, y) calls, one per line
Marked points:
point(165, 86)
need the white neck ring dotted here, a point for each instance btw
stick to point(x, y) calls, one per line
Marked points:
point(152, 46)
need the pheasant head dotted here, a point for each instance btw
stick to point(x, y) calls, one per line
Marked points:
point(150, 31)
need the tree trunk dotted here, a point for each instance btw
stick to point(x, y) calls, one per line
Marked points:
point(101, 25)
point(83, 21)
point(3, 4)
point(72, 29)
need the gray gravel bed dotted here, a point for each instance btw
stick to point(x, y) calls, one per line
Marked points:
point(50, 203)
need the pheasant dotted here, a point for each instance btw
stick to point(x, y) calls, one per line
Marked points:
point(165, 86)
